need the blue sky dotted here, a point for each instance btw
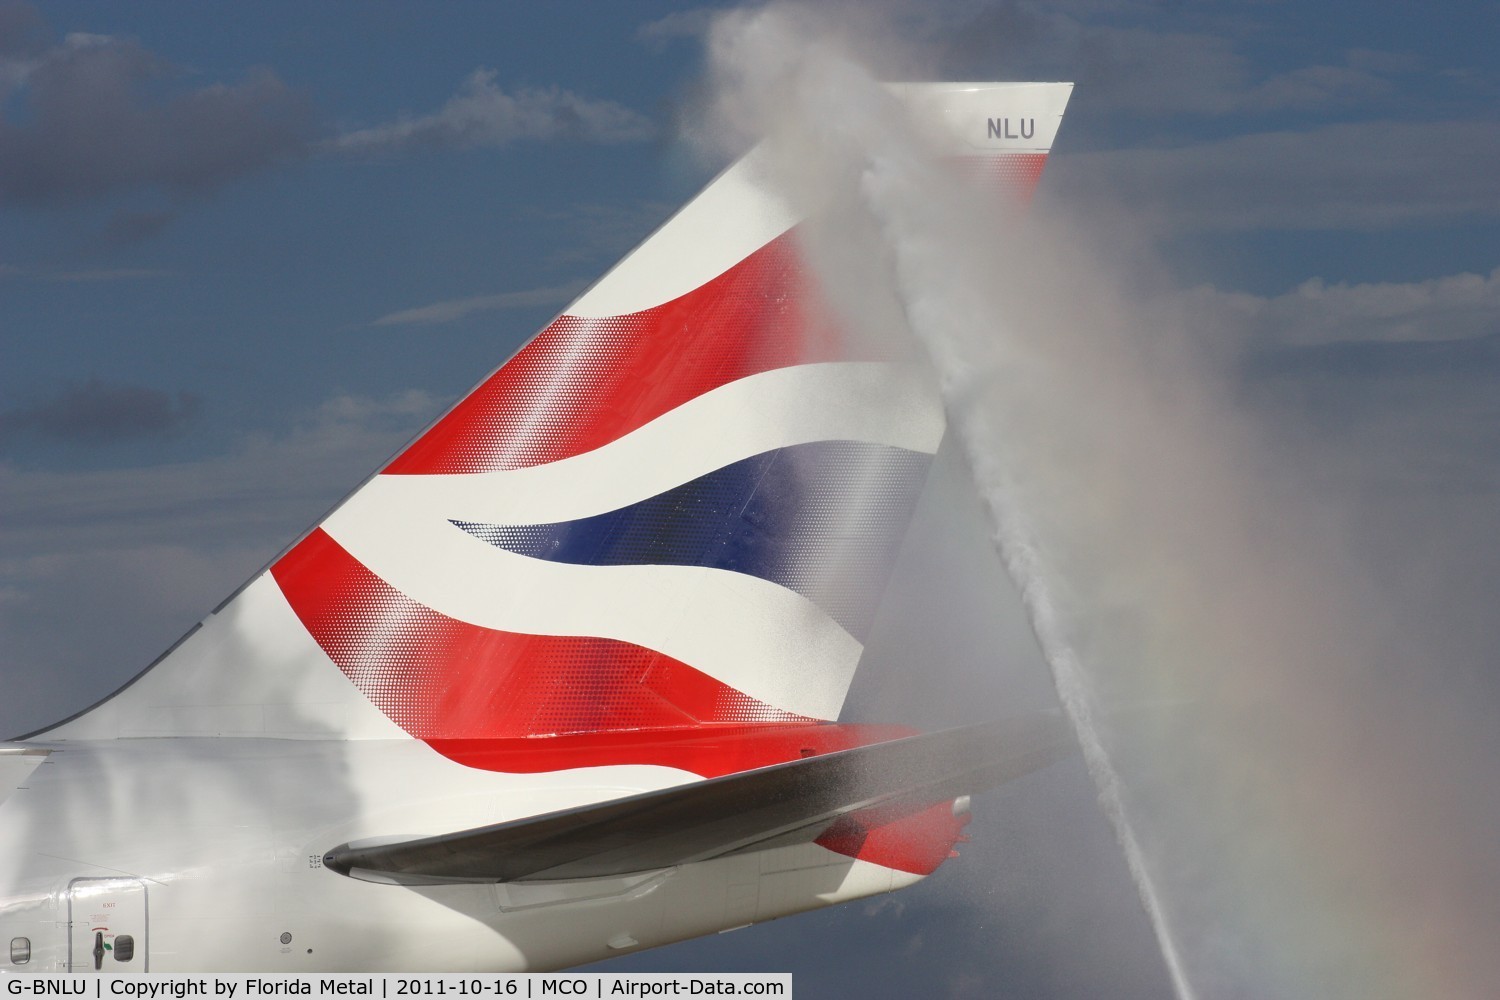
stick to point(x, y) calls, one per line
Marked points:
point(247, 250)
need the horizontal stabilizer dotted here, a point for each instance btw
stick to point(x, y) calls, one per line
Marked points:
point(791, 803)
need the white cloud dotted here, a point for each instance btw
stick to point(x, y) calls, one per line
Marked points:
point(456, 309)
point(1455, 307)
point(691, 23)
point(482, 114)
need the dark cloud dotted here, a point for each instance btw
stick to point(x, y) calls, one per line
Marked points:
point(1361, 176)
point(90, 127)
point(266, 480)
point(88, 118)
point(99, 412)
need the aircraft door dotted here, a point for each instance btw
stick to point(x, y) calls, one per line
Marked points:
point(107, 925)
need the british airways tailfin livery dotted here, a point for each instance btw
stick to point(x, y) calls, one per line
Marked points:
point(562, 680)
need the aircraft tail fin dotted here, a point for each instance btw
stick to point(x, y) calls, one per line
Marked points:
point(676, 507)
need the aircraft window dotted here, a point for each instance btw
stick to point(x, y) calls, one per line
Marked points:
point(124, 947)
point(20, 950)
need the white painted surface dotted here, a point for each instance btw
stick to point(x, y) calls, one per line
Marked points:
point(896, 405)
point(227, 835)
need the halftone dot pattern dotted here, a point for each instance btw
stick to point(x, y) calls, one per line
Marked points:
point(582, 383)
point(440, 678)
point(1014, 174)
point(823, 519)
point(708, 751)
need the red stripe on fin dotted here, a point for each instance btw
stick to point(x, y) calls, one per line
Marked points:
point(440, 678)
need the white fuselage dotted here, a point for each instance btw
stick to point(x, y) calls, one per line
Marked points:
point(207, 853)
